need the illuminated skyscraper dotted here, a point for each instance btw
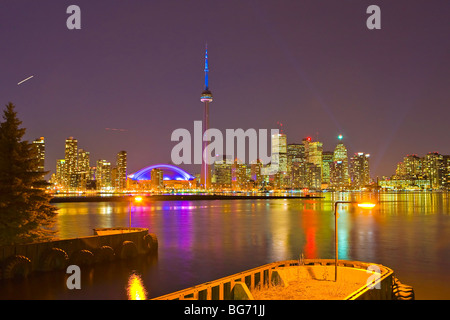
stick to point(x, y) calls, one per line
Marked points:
point(157, 178)
point(359, 170)
point(295, 153)
point(433, 169)
point(255, 173)
point(327, 160)
point(222, 171)
point(61, 172)
point(103, 175)
point(279, 152)
point(315, 153)
point(239, 179)
point(206, 98)
point(121, 165)
point(340, 154)
point(39, 144)
point(83, 168)
point(412, 166)
point(71, 161)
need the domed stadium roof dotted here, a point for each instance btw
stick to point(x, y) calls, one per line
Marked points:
point(170, 172)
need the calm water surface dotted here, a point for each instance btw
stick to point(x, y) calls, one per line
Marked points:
point(201, 241)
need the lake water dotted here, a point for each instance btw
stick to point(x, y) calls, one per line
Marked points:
point(200, 241)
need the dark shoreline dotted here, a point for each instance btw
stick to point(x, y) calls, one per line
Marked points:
point(175, 197)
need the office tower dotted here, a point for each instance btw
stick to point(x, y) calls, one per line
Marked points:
point(327, 159)
point(340, 154)
point(305, 142)
point(121, 165)
point(206, 98)
point(238, 175)
point(337, 175)
point(359, 170)
point(299, 175)
point(255, 173)
point(71, 162)
point(433, 169)
point(400, 171)
point(222, 171)
point(103, 175)
point(313, 176)
point(295, 153)
point(83, 161)
point(61, 172)
point(412, 166)
point(446, 171)
point(157, 178)
point(279, 152)
point(39, 144)
point(315, 155)
point(83, 168)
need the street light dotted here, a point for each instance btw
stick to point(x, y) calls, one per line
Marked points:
point(137, 200)
point(363, 205)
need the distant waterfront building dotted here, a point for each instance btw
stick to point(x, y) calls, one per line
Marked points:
point(295, 154)
point(103, 175)
point(359, 170)
point(83, 169)
point(433, 169)
point(315, 156)
point(222, 171)
point(337, 175)
point(412, 165)
point(239, 179)
point(340, 154)
point(256, 173)
point(39, 144)
point(71, 162)
point(174, 178)
point(279, 152)
point(313, 176)
point(121, 165)
point(327, 160)
point(61, 172)
point(157, 179)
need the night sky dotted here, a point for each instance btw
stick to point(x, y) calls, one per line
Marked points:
point(311, 65)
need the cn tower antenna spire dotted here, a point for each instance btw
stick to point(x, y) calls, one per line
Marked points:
point(206, 68)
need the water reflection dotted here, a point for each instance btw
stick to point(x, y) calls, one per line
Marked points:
point(200, 241)
point(135, 287)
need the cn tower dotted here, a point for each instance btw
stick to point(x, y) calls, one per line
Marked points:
point(206, 98)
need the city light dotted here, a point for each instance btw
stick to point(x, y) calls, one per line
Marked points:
point(366, 205)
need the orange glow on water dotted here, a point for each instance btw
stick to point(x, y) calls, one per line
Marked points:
point(135, 289)
point(366, 205)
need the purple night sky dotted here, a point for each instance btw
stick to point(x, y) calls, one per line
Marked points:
point(311, 65)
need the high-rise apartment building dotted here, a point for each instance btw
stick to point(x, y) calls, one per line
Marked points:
point(61, 172)
point(279, 152)
point(359, 170)
point(239, 179)
point(327, 160)
point(121, 165)
point(256, 173)
point(71, 162)
point(39, 144)
point(103, 175)
point(433, 169)
point(157, 178)
point(222, 171)
point(340, 154)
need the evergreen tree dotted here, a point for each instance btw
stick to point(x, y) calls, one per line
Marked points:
point(26, 214)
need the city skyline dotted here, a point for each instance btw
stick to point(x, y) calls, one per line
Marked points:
point(315, 68)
